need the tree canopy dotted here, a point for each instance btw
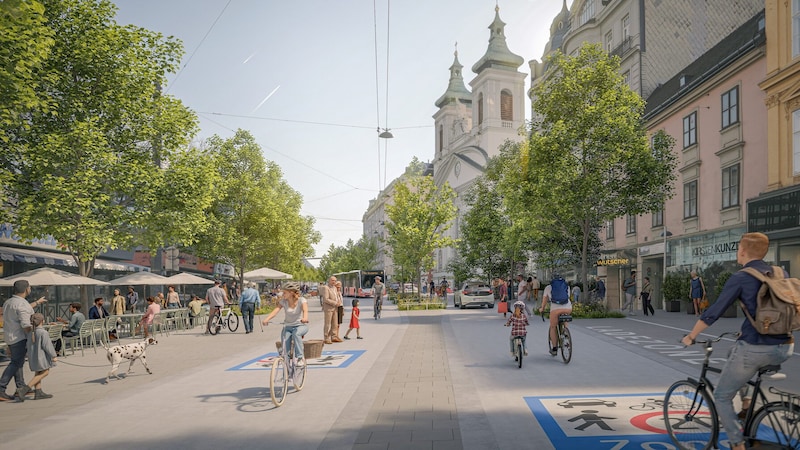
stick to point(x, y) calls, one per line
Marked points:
point(358, 255)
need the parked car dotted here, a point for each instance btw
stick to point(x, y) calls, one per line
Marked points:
point(474, 293)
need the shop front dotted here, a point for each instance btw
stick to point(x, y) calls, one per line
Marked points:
point(616, 266)
point(777, 214)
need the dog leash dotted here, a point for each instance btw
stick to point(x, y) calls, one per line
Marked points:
point(60, 361)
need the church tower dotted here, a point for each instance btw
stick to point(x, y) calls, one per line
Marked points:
point(498, 91)
point(453, 120)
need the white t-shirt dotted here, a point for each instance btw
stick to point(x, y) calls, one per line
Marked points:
point(293, 315)
point(522, 294)
point(548, 291)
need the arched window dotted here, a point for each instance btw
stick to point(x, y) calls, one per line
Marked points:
point(441, 138)
point(506, 106)
point(480, 108)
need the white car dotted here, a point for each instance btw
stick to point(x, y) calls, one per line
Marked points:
point(474, 293)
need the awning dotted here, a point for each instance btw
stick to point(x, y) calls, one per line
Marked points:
point(31, 256)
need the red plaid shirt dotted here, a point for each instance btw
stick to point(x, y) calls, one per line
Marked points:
point(518, 325)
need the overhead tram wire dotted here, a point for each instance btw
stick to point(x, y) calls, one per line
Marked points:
point(377, 89)
point(386, 116)
point(178, 75)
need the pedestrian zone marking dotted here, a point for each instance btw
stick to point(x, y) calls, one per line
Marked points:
point(335, 359)
point(622, 421)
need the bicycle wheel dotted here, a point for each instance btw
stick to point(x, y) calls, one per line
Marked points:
point(690, 416)
point(278, 382)
point(215, 324)
point(566, 344)
point(299, 376)
point(520, 352)
point(776, 422)
point(233, 322)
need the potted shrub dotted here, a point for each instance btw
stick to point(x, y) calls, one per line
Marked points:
point(676, 288)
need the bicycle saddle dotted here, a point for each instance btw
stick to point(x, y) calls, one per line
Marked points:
point(565, 318)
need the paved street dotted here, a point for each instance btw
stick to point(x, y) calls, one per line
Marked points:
point(437, 380)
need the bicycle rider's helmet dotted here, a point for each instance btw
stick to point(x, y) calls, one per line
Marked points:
point(519, 304)
point(291, 286)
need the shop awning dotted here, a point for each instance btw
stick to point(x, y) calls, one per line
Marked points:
point(31, 256)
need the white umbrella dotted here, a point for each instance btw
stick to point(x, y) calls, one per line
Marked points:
point(188, 278)
point(265, 273)
point(141, 278)
point(48, 276)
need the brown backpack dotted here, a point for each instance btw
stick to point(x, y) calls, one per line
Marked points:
point(777, 303)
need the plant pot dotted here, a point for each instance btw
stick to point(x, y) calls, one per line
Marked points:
point(673, 306)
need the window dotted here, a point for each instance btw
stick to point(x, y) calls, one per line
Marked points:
point(658, 218)
point(441, 138)
point(626, 77)
point(480, 108)
point(730, 107)
point(610, 229)
point(626, 28)
point(630, 224)
point(690, 199)
point(610, 41)
point(795, 28)
point(730, 186)
point(690, 130)
point(796, 141)
point(506, 106)
point(587, 12)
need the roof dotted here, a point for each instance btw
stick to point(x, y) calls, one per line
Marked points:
point(498, 55)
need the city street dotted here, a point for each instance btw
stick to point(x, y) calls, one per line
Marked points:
point(211, 392)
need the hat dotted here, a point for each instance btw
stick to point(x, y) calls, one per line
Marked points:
point(217, 282)
point(291, 286)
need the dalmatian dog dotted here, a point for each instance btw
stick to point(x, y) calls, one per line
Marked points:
point(132, 352)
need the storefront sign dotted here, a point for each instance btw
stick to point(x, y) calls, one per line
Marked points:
point(723, 247)
point(614, 262)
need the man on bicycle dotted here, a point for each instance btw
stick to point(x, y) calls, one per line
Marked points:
point(752, 350)
point(559, 304)
point(377, 295)
point(216, 299)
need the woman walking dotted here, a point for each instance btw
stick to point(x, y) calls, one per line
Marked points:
point(647, 290)
point(697, 291)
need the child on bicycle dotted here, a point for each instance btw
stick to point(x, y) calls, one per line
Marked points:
point(518, 321)
point(295, 319)
point(354, 321)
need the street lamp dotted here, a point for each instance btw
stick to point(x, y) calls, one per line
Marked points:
point(386, 134)
point(665, 233)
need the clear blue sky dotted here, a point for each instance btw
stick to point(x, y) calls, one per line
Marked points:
point(317, 59)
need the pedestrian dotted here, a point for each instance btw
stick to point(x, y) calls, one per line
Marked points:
point(432, 288)
point(629, 285)
point(601, 290)
point(173, 299)
point(117, 304)
point(41, 357)
point(354, 324)
point(504, 294)
point(216, 299)
point(249, 301)
point(752, 351)
point(576, 292)
point(647, 290)
point(532, 299)
point(535, 285)
point(132, 299)
point(697, 291)
point(377, 294)
point(330, 302)
point(161, 300)
point(17, 314)
point(522, 288)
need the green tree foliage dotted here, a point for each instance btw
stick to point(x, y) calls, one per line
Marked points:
point(418, 216)
point(359, 255)
point(84, 171)
point(588, 159)
point(255, 218)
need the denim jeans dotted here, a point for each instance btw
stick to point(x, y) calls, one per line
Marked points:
point(248, 311)
point(296, 333)
point(512, 342)
point(743, 363)
point(14, 368)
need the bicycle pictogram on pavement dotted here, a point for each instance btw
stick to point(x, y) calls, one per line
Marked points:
point(334, 359)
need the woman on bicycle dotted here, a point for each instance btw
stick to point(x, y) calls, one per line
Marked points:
point(518, 321)
point(295, 320)
point(556, 308)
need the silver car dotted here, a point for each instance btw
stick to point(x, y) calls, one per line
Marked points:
point(474, 293)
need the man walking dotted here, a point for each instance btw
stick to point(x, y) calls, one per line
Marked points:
point(377, 295)
point(249, 301)
point(216, 298)
point(132, 299)
point(330, 303)
point(630, 293)
point(17, 314)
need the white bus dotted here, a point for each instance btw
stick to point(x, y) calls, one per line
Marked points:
point(358, 283)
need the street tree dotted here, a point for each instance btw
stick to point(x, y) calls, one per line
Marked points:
point(358, 255)
point(588, 159)
point(91, 165)
point(255, 218)
point(418, 216)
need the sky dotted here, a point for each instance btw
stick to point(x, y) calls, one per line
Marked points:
point(313, 80)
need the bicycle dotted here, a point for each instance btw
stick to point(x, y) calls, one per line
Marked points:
point(285, 367)
point(564, 337)
point(226, 317)
point(377, 307)
point(691, 419)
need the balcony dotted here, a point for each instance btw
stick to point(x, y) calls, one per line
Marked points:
point(624, 48)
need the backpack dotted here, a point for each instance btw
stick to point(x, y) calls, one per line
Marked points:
point(559, 293)
point(777, 303)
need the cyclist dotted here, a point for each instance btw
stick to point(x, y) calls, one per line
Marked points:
point(559, 304)
point(518, 321)
point(295, 320)
point(216, 299)
point(377, 295)
point(752, 350)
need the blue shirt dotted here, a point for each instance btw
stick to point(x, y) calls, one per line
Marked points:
point(249, 295)
point(743, 286)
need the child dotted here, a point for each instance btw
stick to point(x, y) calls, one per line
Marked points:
point(354, 321)
point(41, 357)
point(518, 321)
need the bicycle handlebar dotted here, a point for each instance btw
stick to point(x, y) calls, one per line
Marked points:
point(716, 339)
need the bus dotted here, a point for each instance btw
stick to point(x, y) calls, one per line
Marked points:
point(358, 283)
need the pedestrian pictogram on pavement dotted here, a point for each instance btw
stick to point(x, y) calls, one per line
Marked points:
point(613, 422)
point(336, 359)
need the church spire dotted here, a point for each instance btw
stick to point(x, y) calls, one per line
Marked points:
point(498, 55)
point(456, 90)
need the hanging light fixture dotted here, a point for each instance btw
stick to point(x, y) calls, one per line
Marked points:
point(385, 134)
